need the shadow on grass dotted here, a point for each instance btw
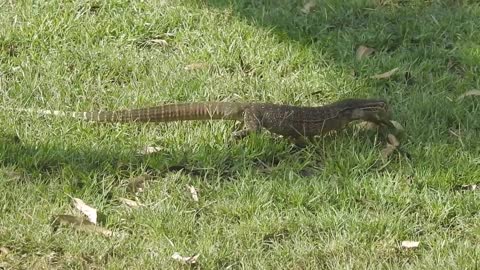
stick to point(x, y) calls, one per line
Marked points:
point(42, 161)
point(432, 44)
point(52, 160)
point(49, 159)
point(401, 33)
point(81, 165)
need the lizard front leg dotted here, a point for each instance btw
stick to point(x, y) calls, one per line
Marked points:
point(251, 123)
point(379, 118)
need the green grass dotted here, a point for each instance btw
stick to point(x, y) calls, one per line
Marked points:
point(263, 204)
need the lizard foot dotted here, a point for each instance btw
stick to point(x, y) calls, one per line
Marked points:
point(299, 142)
point(237, 135)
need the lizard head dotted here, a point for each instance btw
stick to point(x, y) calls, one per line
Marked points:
point(372, 110)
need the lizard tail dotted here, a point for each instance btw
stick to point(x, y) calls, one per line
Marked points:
point(162, 113)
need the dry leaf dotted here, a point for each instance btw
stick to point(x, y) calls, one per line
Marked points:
point(4, 251)
point(385, 75)
point(188, 260)
point(195, 66)
point(363, 52)
point(130, 203)
point(160, 42)
point(470, 187)
point(194, 192)
point(308, 7)
point(387, 151)
point(79, 223)
point(410, 244)
point(149, 150)
point(87, 210)
point(469, 93)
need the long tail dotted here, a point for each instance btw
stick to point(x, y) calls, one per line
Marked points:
point(162, 113)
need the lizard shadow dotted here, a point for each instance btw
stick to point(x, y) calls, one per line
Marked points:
point(267, 153)
point(77, 165)
point(37, 162)
point(269, 158)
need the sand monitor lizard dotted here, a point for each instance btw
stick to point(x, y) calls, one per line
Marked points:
point(294, 122)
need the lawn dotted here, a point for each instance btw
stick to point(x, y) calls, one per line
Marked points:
point(263, 203)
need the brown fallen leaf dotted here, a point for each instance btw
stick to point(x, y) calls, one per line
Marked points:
point(159, 42)
point(88, 211)
point(469, 93)
point(79, 223)
point(385, 75)
point(130, 203)
point(187, 260)
point(410, 244)
point(194, 192)
point(308, 7)
point(196, 66)
point(363, 52)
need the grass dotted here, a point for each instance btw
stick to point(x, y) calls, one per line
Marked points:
point(263, 205)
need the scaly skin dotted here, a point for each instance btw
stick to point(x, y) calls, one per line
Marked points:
point(295, 122)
